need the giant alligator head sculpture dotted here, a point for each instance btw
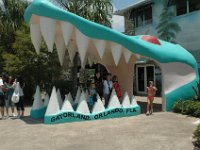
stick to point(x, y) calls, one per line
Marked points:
point(98, 43)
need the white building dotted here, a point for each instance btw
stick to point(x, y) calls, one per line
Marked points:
point(144, 15)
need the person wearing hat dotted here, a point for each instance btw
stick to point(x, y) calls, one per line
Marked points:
point(107, 88)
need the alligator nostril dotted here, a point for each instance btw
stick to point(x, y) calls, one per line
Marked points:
point(151, 39)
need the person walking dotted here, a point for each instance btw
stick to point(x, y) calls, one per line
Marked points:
point(107, 88)
point(150, 97)
point(9, 92)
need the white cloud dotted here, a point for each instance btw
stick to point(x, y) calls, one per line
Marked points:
point(118, 23)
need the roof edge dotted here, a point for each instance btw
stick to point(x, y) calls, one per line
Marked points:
point(135, 5)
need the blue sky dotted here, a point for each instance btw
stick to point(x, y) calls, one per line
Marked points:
point(119, 4)
point(118, 21)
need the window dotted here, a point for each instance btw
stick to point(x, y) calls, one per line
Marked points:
point(185, 6)
point(194, 5)
point(142, 16)
point(181, 7)
point(148, 15)
point(139, 18)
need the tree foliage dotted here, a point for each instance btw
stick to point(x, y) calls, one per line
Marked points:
point(99, 11)
point(167, 29)
point(33, 68)
point(11, 17)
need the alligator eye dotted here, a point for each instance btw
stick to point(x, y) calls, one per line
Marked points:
point(151, 39)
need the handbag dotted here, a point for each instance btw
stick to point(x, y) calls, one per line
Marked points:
point(15, 97)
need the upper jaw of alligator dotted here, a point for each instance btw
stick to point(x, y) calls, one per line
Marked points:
point(65, 35)
point(57, 23)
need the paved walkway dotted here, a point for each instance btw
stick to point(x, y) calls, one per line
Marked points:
point(161, 131)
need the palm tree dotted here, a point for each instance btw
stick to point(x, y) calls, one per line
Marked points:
point(167, 29)
point(99, 11)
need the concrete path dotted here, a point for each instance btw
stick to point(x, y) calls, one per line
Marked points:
point(161, 131)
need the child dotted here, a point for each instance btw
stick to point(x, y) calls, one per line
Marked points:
point(150, 97)
point(92, 93)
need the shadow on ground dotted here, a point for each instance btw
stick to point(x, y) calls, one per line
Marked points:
point(29, 120)
point(143, 105)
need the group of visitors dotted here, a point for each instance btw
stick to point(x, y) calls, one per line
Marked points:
point(104, 87)
point(8, 86)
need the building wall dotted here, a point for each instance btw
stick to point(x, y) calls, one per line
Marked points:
point(189, 37)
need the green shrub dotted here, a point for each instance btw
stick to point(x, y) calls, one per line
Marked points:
point(177, 108)
point(189, 107)
point(197, 136)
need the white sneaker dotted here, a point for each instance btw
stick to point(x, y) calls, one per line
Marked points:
point(3, 118)
point(13, 114)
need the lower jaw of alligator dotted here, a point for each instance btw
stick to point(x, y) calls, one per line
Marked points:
point(54, 110)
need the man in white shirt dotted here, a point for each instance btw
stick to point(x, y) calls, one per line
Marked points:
point(107, 88)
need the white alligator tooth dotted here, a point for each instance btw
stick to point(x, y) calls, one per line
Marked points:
point(90, 61)
point(98, 106)
point(67, 30)
point(78, 94)
point(113, 93)
point(53, 106)
point(98, 97)
point(83, 108)
point(48, 28)
point(126, 100)
point(100, 46)
point(82, 97)
point(137, 56)
point(94, 60)
point(72, 51)
point(127, 55)
point(36, 36)
point(83, 63)
point(69, 96)
point(67, 105)
point(46, 100)
point(133, 101)
point(114, 101)
point(82, 44)
point(60, 45)
point(60, 101)
point(116, 52)
point(37, 103)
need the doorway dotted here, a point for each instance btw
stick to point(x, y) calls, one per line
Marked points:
point(144, 74)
